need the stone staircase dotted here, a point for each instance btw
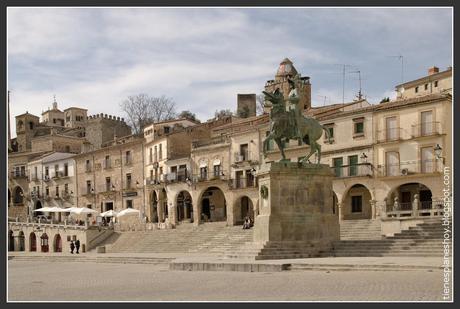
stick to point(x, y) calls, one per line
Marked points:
point(360, 229)
point(422, 240)
point(212, 238)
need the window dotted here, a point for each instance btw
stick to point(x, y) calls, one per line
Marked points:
point(426, 86)
point(35, 172)
point(416, 89)
point(435, 83)
point(67, 148)
point(156, 154)
point(128, 157)
point(244, 152)
point(353, 165)
point(57, 191)
point(128, 181)
point(330, 128)
point(151, 174)
point(392, 132)
point(66, 169)
point(203, 173)
point(337, 163)
point(66, 188)
point(217, 170)
point(358, 126)
point(150, 155)
point(31, 125)
point(428, 161)
point(88, 166)
point(129, 204)
point(54, 120)
point(166, 129)
point(357, 203)
point(392, 163)
point(427, 123)
point(56, 170)
point(107, 184)
point(107, 162)
point(88, 187)
point(249, 178)
point(239, 179)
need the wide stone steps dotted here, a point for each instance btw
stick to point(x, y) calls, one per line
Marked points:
point(360, 229)
point(213, 238)
point(95, 259)
point(422, 240)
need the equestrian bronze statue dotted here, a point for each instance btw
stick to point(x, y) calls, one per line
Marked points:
point(288, 123)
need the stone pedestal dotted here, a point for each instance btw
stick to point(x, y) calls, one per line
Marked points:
point(296, 207)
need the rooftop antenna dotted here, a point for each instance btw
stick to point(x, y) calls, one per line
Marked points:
point(325, 97)
point(360, 95)
point(343, 79)
point(400, 57)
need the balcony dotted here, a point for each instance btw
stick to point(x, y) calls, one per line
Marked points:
point(34, 178)
point(209, 177)
point(389, 135)
point(354, 170)
point(409, 167)
point(242, 183)
point(180, 176)
point(415, 209)
point(152, 181)
point(245, 156)
point(19, 174)
point(426, 129)
point(46, 178)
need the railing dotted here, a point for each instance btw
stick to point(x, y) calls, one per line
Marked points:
point(209, 177)
point(426, 129)
point(245, 156)
point(389, 134)
point(180, 176)
point(409, 167)
point(354, 170)
point(152, 181)
point(241, 183)
point(210, 142)
point(21, 174)
point(415, 209)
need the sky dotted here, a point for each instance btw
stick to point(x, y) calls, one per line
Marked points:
point(202, 58)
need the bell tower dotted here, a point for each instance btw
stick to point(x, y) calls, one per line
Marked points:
point(286, 71)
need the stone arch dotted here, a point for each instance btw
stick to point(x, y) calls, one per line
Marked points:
point(162, 205)
point(212, 208)
point(21, 241)
point(153, 209)
point(356, 202)
point(184, 206)
point(32, 242)
point(398, 184)
point(243, 206)
point(44, 243)
point(57, 243)
point(10, 240)
point(18, 195)
point(405, 194)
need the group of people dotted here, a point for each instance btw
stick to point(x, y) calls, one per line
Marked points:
point(247, 224)
point(75, 245)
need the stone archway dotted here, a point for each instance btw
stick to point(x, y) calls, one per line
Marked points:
point(243, 207)
point(32, 242)
point(18, 196)
point(356, 203)
point(184, 206)
point(21, 241)
point(163, 206)
point(154, 207)
point(212, 205)
point(405, 194)
point(57, 243)
point(10, 240)
point(44, 243)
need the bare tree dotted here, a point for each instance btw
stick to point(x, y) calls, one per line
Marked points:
point(223, 113)
point(260, 104)
point(141, 109)
point(188, 115)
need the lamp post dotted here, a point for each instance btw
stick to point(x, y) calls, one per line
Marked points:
point(438, 153)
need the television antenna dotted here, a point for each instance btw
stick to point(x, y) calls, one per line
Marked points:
point(360, 95)
point(400, 57)
point(324, 97)
point(344, 66)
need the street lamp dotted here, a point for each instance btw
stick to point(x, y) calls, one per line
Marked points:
point(438, 153)
point(363, 157)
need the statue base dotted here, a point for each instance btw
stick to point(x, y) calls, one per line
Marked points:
point(295, 210)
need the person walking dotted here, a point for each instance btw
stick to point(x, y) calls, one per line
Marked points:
point(72, 246)
point(77, 245)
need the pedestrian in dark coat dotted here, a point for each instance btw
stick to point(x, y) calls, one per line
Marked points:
point(77, 245)
point(72, 246)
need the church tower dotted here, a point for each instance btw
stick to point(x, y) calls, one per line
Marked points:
point(286, 71)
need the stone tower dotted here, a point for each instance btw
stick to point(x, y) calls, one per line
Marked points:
point(286, 70)
point(25, 129)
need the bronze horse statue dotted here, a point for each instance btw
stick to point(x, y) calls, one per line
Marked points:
point(283, 128)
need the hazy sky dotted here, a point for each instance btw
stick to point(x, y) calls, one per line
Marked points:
point(204, 57)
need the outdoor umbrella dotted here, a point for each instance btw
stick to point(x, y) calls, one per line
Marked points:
point(127, 212)
point(109, 213)
point(44, 209)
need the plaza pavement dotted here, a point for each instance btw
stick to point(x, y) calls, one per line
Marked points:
point(45, 280)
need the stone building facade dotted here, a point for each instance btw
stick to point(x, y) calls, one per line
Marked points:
point(112, 177)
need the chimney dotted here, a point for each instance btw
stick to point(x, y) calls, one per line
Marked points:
point(433, 70)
